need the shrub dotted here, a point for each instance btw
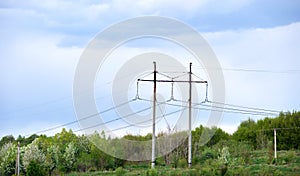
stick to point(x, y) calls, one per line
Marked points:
point(35, 169)
point(289, 156)
point(160, 161)
point(151, 172)
point(182, 163)
point(92, 169)
point(120, 171)
point(192, 172)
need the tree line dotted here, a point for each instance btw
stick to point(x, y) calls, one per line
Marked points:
point(65, 151)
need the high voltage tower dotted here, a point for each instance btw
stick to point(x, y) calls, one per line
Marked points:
point(211, 106)
point(155, 80)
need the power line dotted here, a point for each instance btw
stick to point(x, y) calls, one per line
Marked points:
point(184, 107)
point(159, 117)
point(251, 110)
point(246, 107)
point(226, 110)
point(93, 115)
point(272, 129)
point(113, 120)
point(255, 111)
point(287, 71)
point(64, 98)
point(197, 76)
point(165, 75)
point(128, 115)
point(84, 118)
point(163, 116)
point(168, 126)
point(236, 109)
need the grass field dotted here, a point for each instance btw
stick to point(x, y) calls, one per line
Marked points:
point(259, 163)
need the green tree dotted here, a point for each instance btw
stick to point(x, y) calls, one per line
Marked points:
point(33, 153)
point(217, 135)
point(29, 140)
point(6, 139)
point(64, 138)
point(8, 159)
point(69, 157)
point(246, 132)
point(35, 169)
point(260, 133)
point(53, 157)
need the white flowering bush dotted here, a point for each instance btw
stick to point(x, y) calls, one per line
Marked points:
point(33, 153)
point(52, 157)
point(225, 155)
point(8, 154)
point(70, 156)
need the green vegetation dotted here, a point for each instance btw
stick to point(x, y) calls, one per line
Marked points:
point(260, 132)
point(249, 151)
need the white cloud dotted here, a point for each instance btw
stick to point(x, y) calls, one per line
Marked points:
point(39, 58)
point(225, 7)
point(38, 61)
point(177, 8)
point(34, 69)
point(274, 49)
point(165, 7)
point(229, 128)
point(69, 16)
point(267, 49)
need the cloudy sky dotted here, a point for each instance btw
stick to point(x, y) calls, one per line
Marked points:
point(257, 42)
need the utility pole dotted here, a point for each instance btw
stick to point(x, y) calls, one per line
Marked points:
point(153, 119)
point(17, 172)
point(275, 147)
point(190, 110)
point(190, 119)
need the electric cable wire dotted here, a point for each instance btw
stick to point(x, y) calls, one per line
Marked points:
point(159, 117)
point(84, 118)
point(231, 109)
point(286, 71)
point(165, 75)
point(168, 125)
point(224, 109)
point(278, 128)
point(64, 98)
point(198, 77)
point(113, 120)
point(246, 107)
point(175, 77)
point(128, 115)
point(119, 118)
point(235, 109)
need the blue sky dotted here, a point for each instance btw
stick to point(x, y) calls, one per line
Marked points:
point(41, 44)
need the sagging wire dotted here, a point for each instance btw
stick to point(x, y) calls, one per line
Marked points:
point(83, 118)
point(165, 75)
point(163, 115)
point(198, 77)
point(185, 73)
point(146, 75)
point(168, 114)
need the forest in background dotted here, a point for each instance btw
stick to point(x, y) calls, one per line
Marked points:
point(68, 153)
